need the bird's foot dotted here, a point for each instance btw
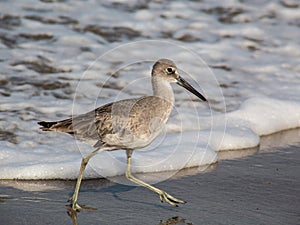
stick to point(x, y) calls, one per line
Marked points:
point(74, 206)
point(164, 196)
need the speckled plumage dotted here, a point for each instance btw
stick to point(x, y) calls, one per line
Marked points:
point(127, 124)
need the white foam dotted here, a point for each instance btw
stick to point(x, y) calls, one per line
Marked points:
point(265, 115)
point(257, 116)
point(234, 138)
point(54, 162)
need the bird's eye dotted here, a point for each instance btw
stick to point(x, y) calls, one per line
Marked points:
point(170, 70)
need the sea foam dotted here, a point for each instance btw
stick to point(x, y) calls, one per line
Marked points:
point(60, 158)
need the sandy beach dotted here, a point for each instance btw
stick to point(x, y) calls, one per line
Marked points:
point(259, 189)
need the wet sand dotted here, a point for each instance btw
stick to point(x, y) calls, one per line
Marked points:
point(259, 189)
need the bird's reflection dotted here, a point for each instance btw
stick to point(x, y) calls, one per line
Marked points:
point(171, 221)
point(175, 220)
point(73, 215)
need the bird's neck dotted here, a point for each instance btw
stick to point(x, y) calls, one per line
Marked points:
point(162, 89)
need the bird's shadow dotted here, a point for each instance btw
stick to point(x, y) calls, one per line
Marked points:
point(116, 191)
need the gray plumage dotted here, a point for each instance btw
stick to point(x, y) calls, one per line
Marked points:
point(119, 125)
point(127, 124)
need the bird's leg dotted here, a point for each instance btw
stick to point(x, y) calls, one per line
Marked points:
point(75, 206)
point(164, 196)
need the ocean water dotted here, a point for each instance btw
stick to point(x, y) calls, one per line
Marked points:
point(63, 58)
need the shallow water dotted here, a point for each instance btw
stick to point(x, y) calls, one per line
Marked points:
point(48, 71)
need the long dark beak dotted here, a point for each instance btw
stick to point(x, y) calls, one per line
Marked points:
point(187, 86)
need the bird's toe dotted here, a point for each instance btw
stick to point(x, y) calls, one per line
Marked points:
point(170, 199)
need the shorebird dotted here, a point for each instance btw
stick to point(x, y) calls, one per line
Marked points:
point(127, 124)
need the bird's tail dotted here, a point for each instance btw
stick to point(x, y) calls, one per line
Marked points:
point(60, 126)
point(46, 126)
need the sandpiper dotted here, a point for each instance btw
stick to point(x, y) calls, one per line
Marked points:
point(127, 124)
